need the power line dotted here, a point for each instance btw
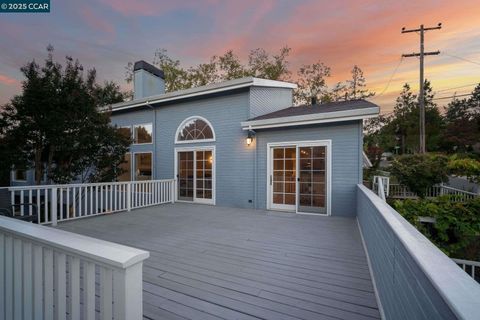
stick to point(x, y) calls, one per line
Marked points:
point(460, 58)
point(454, 96)
point(391, 77)
point(422, 54)
point(460, 87)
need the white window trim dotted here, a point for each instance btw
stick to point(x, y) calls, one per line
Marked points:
point(14, 174)
point(328, 144)
point(133, 134)
point(214, 173)
point(134, 162)
point(180, 127)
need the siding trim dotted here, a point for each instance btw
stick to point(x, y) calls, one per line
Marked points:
point(307, 119)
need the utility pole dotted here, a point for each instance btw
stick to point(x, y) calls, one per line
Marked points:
point(421, 54)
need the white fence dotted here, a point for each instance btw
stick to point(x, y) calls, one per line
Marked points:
point(46, 273)
point(470, 267)
point(402, 192)
point(52, 203)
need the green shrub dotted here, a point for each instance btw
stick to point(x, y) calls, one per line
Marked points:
point(457, 227)
point(465, 167)
point(420, 171)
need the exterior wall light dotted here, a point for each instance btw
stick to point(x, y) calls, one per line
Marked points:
point(250, 136)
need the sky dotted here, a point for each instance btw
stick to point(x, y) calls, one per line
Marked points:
point(107, 34)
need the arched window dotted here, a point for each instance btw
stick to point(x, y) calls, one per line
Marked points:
point(195, 129)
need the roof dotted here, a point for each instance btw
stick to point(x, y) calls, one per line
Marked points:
point(303, 115)
point(202, 91)
point(142, 65)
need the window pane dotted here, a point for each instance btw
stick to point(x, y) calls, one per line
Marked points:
point(126, 132)
point(20, 175)
point(195, 129)
point(143, 133)
point(125, 168)
point(143, 166)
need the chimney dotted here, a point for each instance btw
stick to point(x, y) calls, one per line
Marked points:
point(148, 80)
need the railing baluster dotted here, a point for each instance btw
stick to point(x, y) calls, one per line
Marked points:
point(38, 281)
point(30, 200)
point(8, 277)
point(60, 285)
point(75, 288)
point(106, 294)
point(21, 202)
point(91, 200)
point(89, 289)
point(27, 280)
point(17, 278)
point(48, 283)
point(60, 200)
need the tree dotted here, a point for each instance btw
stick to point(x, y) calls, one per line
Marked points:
point(357, 87)
point(312, 83)
point(420, 171)
point(462, 118)
point(402, 129)
point(266, 66)
point(56, 126)
point(219, 68)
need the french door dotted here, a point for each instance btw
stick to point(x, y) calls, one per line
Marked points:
point(195, 175)
point(299, 177)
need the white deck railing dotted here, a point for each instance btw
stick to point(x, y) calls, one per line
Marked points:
point(54, 203)
point(402, 192)
point(46, 273)
point(470, 267)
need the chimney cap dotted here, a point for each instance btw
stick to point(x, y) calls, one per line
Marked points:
point(143, 65)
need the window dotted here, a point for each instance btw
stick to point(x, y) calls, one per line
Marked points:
point(20, 175)
point(125, 131)
point(143, 166)
point(195, 128)
point(142, 133)
point(125, 168)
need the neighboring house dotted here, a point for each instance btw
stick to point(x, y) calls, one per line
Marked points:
point(240, 143)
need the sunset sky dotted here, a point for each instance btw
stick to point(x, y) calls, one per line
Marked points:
point(106, 34)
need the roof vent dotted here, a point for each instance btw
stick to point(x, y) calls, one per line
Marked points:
point(148, 80)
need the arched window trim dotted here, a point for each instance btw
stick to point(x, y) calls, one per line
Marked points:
point(181, 126)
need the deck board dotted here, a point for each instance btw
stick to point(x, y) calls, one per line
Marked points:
point(224, 263)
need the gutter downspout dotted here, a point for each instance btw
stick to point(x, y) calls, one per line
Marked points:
point(154, 164)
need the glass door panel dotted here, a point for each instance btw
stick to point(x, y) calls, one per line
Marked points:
point(204, 162)
point(185, 175)
point(283, 178)
point(312, 179)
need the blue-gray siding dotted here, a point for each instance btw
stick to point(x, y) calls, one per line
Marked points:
point(234, 159)
point(264, 100)
point(414, 279)
point(346, 155)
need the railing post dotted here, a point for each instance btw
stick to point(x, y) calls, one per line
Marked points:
point(129, 196)
point(172, 193)
point(53, 205)
point(127, 293)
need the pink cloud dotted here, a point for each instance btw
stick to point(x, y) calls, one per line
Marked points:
point(6, 80)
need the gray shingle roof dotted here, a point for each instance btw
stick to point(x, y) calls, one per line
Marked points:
point(318, 108)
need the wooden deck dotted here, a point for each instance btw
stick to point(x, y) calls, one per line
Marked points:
point(223, 263)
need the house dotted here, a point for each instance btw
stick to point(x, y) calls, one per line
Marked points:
point(241, 143)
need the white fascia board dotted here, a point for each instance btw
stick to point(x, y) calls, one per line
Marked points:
point(348, 115)
point(203, 90)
